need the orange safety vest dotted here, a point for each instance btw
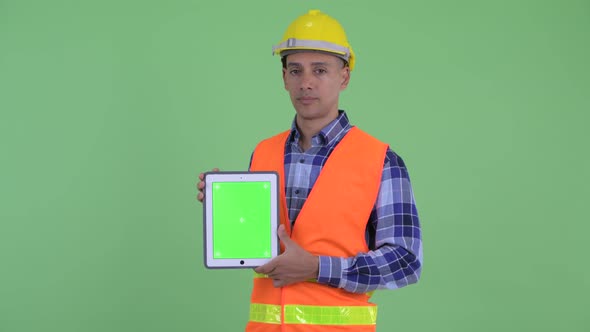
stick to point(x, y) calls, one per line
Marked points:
point(332, 222)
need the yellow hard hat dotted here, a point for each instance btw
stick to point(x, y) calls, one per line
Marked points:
point(319, 32)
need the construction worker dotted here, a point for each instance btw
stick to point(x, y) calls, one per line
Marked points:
point(349, 223)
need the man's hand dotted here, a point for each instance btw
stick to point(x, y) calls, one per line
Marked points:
point(293, 265)
point(201, 185)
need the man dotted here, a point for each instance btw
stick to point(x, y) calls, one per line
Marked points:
point(349, 223)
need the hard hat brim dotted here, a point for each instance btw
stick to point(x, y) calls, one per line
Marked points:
point(300, 50)
point(318, 45)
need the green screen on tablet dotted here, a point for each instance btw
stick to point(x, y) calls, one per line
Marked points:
point(241, 220)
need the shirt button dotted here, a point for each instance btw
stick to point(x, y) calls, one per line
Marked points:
point(302, 160)
point(296, 191)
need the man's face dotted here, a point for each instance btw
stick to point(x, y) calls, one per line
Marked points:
point(314, 81)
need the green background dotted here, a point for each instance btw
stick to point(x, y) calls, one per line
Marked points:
point(110, 109)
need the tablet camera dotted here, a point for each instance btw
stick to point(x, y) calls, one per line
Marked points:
point(241, 262)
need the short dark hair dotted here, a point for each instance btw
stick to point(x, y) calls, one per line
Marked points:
point(284, 62)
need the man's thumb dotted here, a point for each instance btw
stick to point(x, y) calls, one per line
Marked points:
point(283, 236)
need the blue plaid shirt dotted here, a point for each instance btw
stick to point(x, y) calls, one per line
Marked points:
point(393, 230)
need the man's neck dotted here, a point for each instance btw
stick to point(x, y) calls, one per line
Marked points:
point(311, 127)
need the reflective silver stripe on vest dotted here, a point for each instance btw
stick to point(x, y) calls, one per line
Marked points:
point(293, 43)
point(265, 313)
point(313, 315)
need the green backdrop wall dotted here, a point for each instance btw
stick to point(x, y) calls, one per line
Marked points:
point(110, 109)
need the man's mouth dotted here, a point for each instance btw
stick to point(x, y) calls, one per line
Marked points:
point(306, 99)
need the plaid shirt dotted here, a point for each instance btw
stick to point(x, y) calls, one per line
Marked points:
point(393, 230)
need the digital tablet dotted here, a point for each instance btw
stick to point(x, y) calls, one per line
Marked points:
point(241, 216)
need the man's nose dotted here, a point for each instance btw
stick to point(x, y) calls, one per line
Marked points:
point(307, 81)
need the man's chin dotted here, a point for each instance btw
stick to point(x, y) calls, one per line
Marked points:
point(307, 113)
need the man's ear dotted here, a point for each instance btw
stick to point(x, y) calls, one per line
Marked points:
point(285, 77)
point(345, 77)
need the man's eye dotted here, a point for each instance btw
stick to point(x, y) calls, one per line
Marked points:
point(294, 72)
point(320, 71)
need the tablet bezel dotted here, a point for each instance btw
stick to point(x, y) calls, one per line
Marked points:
point(225, 176)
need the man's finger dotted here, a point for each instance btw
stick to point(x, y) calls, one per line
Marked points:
point(267, 268)
point(202, 175)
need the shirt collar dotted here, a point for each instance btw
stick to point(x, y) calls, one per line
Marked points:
point(329, 135)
